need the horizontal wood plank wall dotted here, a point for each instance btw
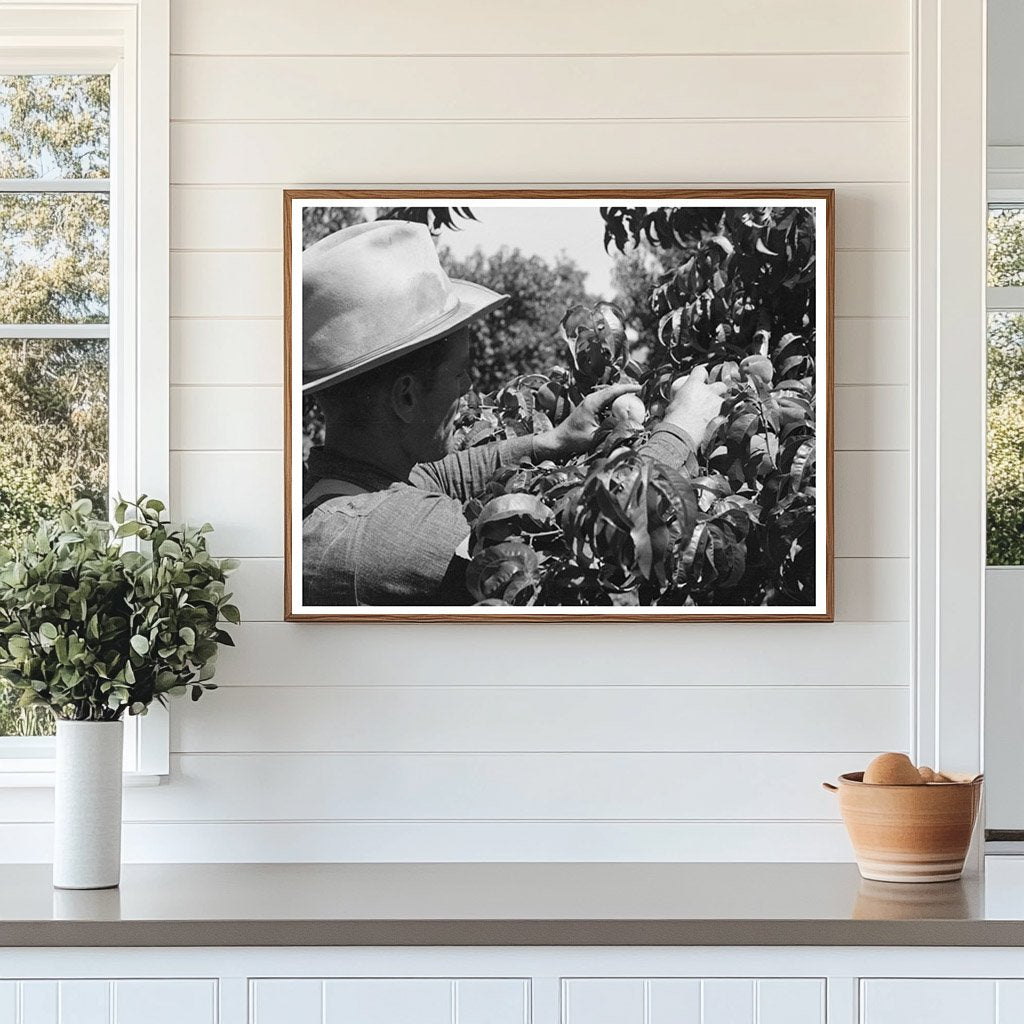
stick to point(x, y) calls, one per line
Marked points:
point(462, 742)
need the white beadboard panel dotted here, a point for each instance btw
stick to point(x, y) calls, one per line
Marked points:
point(872, 350)
point(148, 1001)
point(549, 151)
point(867, 589)
point(1009, 1001)
point(534, 26)
point(230, 284)
point(212, 418)
point(872, 589)
point(86, 1002)
point(388, 1001)
point(935, 1000)
point(428, 742)
point(233, 284)
point(234, 418)
point(492, 1001)
point(872, 504)
point(220, 352)
point(539, 87)
point(790, 1001)
point(835, 655)
point(286, 1001)
point(241, 493)
point(278, 842)
point(239, 217)
point(868, 216)
point(467, 787)
point(841, 1005)
point(727, 1001)
point(875, 418)
point(872, 216)
point(258, 586)
point(674, 1001)
point(872, 283)
point(868, 350)
point(603, 1001)
point(632, 719)
point(693, 1001)
point(573, 654)
point(39, 1002)
point(9, 1002)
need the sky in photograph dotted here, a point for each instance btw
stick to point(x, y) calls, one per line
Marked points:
point(578, 231)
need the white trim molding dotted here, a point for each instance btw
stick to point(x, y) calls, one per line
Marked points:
point(950, 212)
point(1005, 174)
point(130, 40)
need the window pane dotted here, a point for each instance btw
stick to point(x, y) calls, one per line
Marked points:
point(54, 257)
point(16, 721)
point(1006, 439)
point(53, 449)
point(53, 428)
point(54, 126)
point(1006, 246)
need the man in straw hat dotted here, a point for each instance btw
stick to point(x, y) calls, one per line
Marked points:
point(386, 352)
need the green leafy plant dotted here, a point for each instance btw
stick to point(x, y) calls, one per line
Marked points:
point(91, 629)
point(737, 525)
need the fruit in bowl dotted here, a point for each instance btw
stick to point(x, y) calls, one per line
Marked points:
point(893, 770)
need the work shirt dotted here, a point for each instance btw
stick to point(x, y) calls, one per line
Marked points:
point(369, 539)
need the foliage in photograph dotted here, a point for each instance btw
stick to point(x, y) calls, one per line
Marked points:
point(520, 337)
point(737, 296)
point(91, 630)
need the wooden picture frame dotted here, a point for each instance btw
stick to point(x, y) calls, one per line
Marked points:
point(822, 201)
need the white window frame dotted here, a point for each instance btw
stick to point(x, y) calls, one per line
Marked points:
point(1005, 299)
point(949, 401)
point(130, 41)
point(1003, 719)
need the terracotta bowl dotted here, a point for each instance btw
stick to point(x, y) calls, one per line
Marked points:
point(909, 833)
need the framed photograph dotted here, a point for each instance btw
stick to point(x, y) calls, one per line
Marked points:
point(558, 405)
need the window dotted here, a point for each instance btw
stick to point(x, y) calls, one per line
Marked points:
point(1005, 477)
point(84, 125)
point(54, 309)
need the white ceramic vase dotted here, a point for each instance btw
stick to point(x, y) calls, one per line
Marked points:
point(87, 805)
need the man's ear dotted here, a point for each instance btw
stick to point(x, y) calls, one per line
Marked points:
point(404, 397)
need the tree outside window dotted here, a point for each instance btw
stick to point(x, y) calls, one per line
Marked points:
point(1005, 488)
point(54, 307)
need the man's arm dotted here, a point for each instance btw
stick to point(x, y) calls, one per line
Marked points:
point(694, 404)
point(463, 474)
point(392, 547)
point(672, 447)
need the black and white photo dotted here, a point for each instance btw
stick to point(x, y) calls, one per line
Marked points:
point(516, 406)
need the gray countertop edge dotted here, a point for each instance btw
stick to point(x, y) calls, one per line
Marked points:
point(511, 933)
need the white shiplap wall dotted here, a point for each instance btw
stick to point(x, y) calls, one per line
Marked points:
point(428, 742)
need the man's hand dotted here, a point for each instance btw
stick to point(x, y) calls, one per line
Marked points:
point(575, 433)
point(694, 403)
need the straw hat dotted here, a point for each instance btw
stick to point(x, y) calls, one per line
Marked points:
point(372, 293)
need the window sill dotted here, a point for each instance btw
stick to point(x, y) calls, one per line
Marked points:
point(38, 773)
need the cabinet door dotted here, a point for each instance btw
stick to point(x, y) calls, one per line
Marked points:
point(941, 1001)
point(100, 1001)
point(388, 1001)
point(928, 1001)
point(693, 1001)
